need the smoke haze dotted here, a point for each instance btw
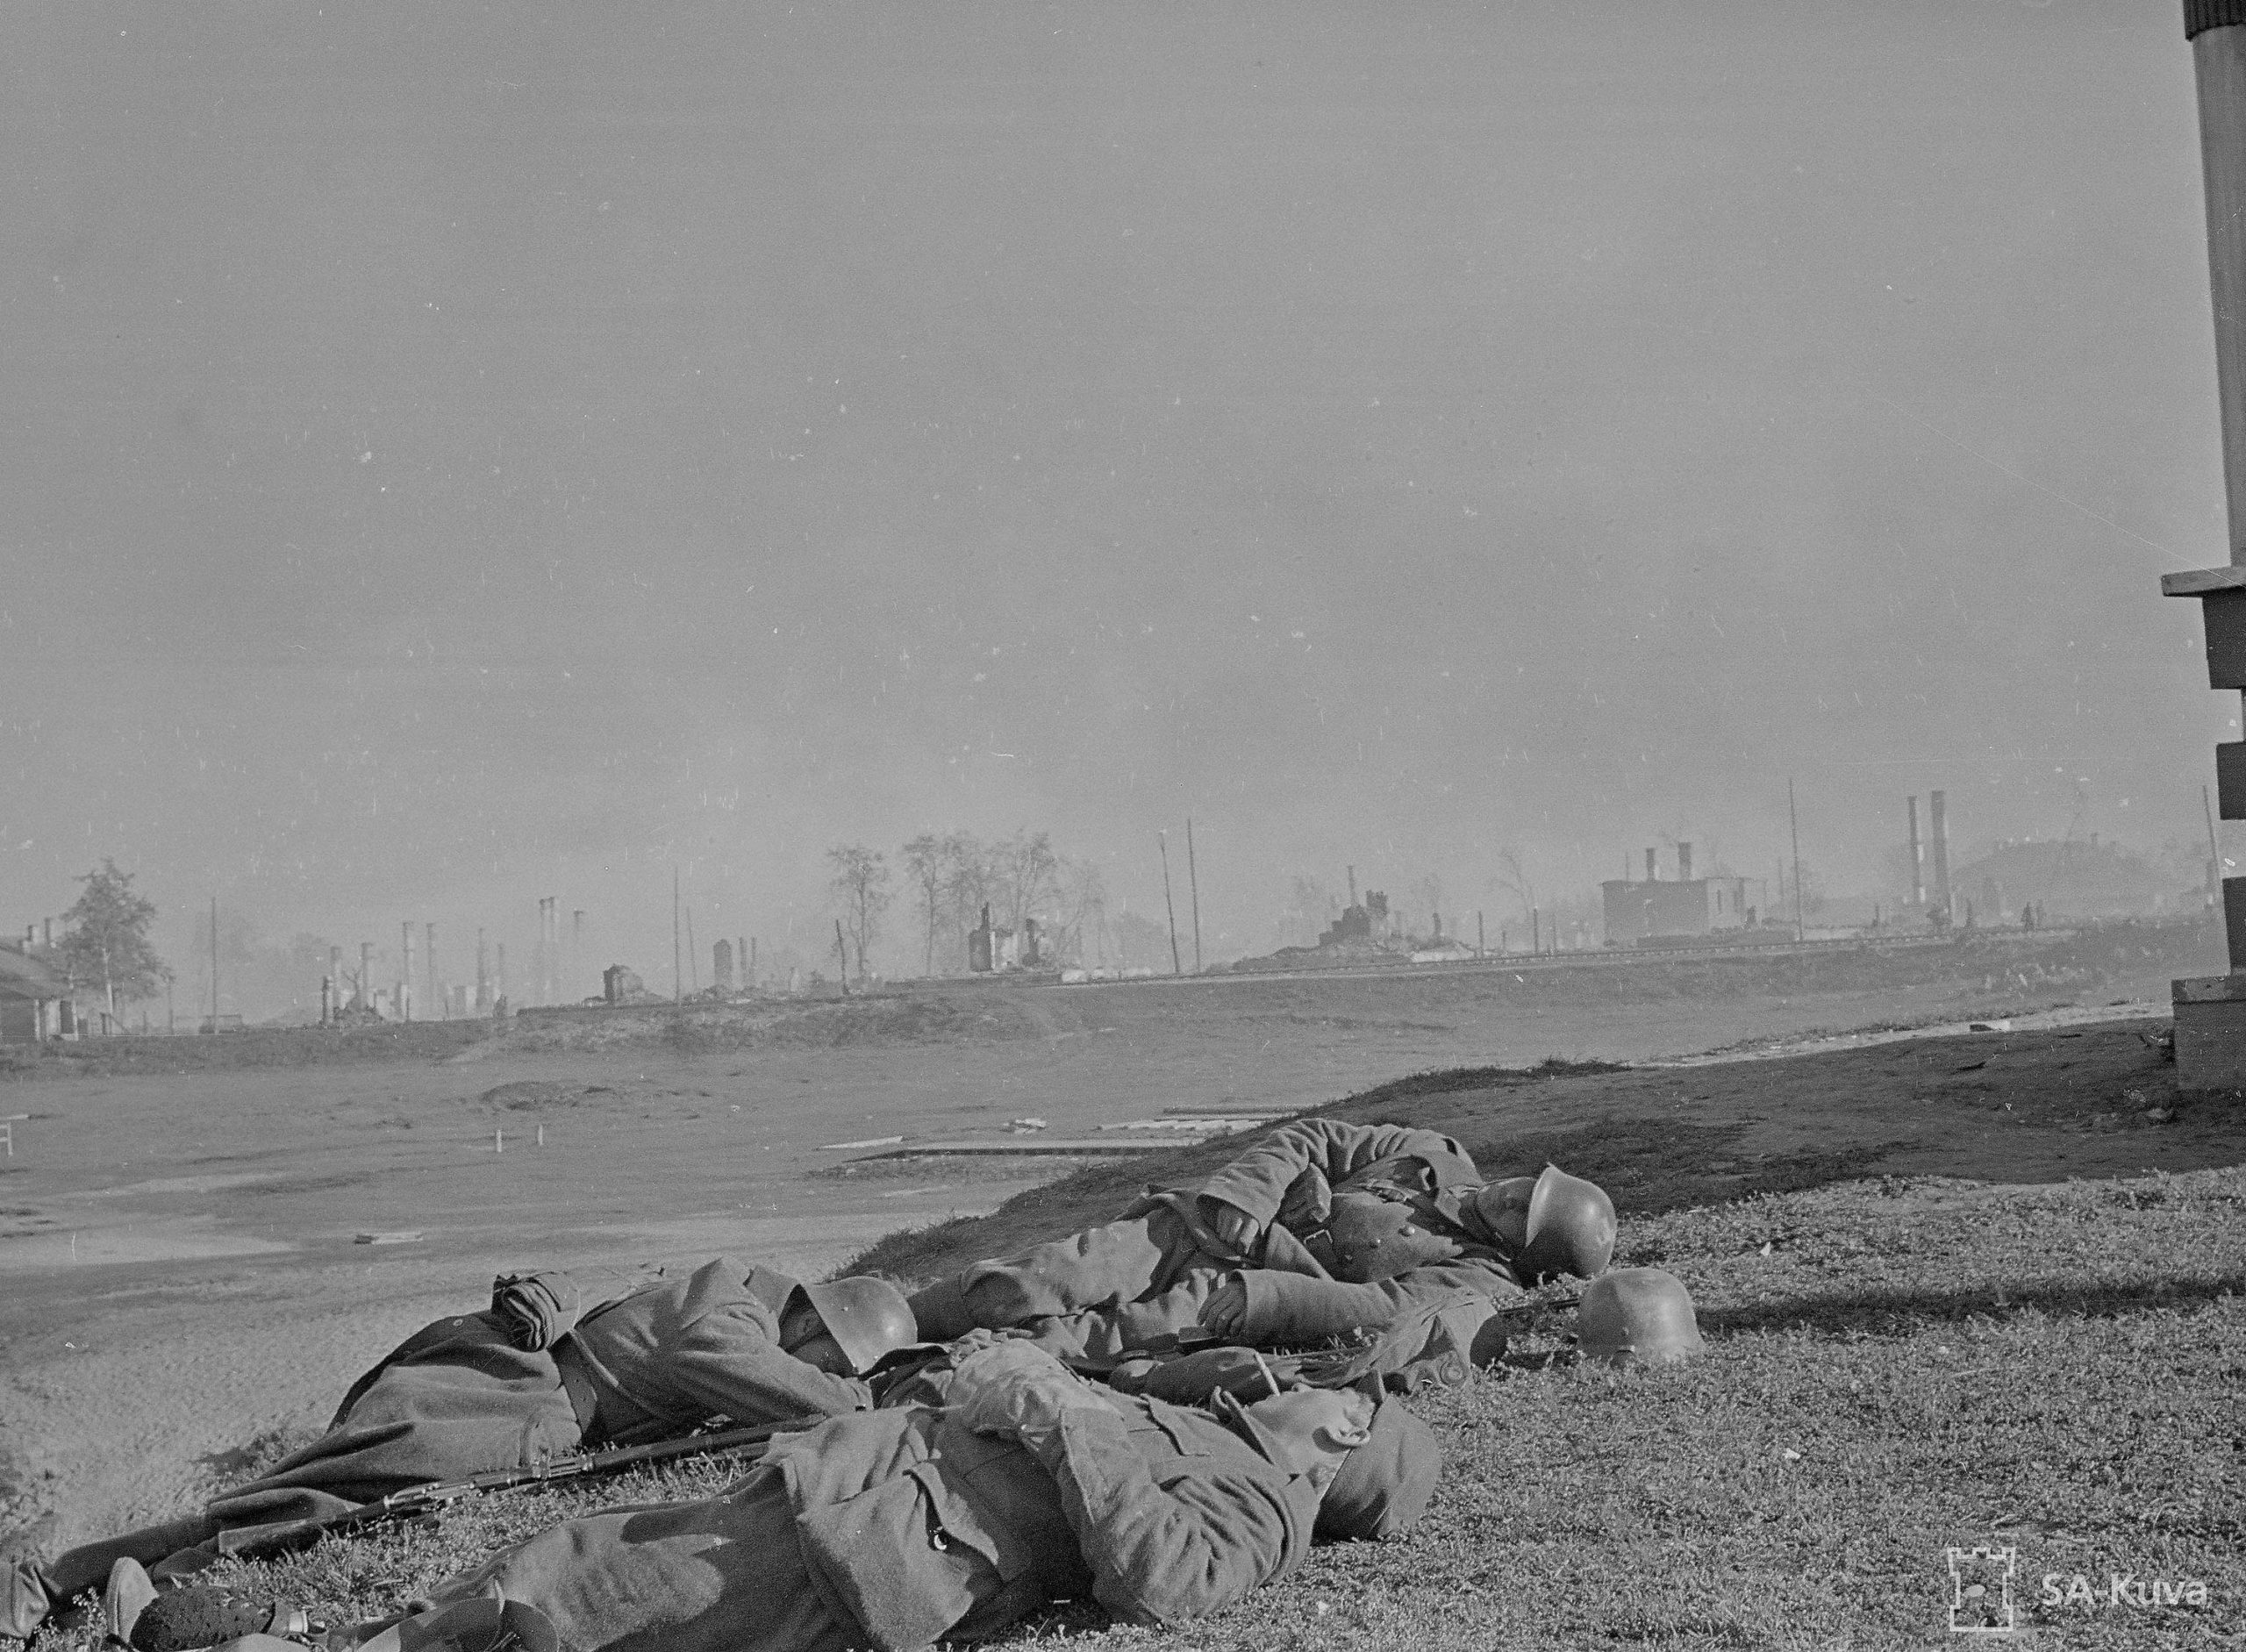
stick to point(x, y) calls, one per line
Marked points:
point(457, 457)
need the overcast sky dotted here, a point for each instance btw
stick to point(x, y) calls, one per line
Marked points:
point(454, 455)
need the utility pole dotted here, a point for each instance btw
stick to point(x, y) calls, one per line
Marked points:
point(1793, 823)
point(693, 964)
point(214, 966)
point(1193, 882)
point(1176, 967)
point(678, 972)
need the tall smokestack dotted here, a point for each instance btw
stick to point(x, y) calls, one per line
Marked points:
point(1653, 866)
point(1938, 829)
point(1918, 857)
point(1683, 862)
point(405, 970)
point(436, 999)
point(483, 975)
point(366, 975)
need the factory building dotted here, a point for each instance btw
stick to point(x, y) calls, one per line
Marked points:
point(1663, 908)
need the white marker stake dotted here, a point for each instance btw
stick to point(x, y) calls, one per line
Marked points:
point(542, 1135)
point(498, 1142)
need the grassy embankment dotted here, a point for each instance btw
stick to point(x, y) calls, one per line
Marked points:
point(1899, 1361)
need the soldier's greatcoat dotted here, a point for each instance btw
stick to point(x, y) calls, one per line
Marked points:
point(898, 1528)
point(1109, 1291)
point(460, 1398)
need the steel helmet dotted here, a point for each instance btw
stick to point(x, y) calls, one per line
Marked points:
point(1571, 1227)
point(865, 1317)
point(1637, 1316)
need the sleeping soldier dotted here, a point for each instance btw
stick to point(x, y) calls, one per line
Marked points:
point(527, 1380)
point(1320, 1229)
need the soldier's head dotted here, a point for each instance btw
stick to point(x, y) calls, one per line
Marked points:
point(844, 1327)
point(1382, 1487)
point(1314, 1429)
point(1553, 1224)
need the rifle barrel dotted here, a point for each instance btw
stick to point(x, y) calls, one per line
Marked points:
point(421, 1499)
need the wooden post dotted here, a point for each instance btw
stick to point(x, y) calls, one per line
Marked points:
point(2211, 1011)
point(1481, 950)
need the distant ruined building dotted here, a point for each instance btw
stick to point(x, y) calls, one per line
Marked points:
point(1658, 909)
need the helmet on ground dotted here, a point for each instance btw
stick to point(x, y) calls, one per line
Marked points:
point(1637, 1316)
point(1571, 1227)
point(866, 1318)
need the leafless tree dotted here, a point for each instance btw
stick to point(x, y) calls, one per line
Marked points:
point(1027, 872)
point(860, 890)
point(1083, 894)
point(930, 861)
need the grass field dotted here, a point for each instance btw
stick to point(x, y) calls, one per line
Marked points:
point(1899, 1362)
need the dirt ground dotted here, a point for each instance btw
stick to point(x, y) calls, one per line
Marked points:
point(178, 1275)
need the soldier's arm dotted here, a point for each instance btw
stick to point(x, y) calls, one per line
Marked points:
point(1160, 1553)
point(726, 1362)
point(1110, 1333)
point(1257, 1181)
point(1287, 1309)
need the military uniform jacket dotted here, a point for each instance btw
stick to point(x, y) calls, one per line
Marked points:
point(1287, 1182)
point(655, 1363)
point(917, 1530)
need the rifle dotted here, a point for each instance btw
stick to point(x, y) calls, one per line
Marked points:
point(418, 1501)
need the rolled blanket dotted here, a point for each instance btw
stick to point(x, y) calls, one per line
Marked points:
point(539, 1308)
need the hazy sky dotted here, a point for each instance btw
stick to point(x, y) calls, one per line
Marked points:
point(454, 455)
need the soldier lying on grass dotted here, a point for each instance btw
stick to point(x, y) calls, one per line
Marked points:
point(1320, 1229)
point(527, 1380)
point(899, 1528)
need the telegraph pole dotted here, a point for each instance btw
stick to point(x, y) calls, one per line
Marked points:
point(677, 973)
point(1193, 882)
point(1793, 823)
point(1176, 967)
point(214, 966)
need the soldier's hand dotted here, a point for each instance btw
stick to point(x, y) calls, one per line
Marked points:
point(1232, 1226)
point(1017, 1391)
point(1225, 1312)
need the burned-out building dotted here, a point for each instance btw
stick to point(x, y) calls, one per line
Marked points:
point(1358, 922)
point(35, 999)
point(1663, 908)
